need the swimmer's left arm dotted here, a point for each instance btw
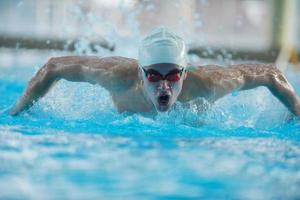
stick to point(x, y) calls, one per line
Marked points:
point(248, 76)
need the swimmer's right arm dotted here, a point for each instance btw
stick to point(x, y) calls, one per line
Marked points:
point(106, 72)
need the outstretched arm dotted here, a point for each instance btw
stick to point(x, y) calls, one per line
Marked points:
point(276, 82)
point(112, 73)
point(248, 76)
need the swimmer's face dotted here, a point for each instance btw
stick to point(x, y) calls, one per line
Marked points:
point(163, 83)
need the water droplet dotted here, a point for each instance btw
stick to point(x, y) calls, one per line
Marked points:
point(235, 93)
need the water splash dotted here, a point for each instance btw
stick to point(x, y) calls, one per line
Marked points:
point(80, 101)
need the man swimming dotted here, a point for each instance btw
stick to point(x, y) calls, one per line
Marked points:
point(158, 78)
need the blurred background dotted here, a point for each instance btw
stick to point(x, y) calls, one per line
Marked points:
point(31, 31)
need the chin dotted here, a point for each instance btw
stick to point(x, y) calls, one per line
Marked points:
point(163, 108)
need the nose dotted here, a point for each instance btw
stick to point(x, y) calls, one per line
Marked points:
point(164, 85)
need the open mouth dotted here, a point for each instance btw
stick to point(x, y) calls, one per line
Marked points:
point(163, 100)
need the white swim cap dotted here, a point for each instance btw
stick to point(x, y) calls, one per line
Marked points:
point(162, 46)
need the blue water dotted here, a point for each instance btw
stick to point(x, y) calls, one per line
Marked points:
point(73, 144)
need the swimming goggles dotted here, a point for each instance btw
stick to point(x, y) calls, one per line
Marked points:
point(154, 76)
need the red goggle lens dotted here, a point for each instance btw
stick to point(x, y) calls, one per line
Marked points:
point(156, 77)
point(173, 77)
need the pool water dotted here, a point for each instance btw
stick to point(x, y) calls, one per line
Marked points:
point(73, 144)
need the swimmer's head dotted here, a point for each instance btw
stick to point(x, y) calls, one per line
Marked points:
point(162, 62)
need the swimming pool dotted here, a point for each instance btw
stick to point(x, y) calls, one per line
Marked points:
point(73, 144)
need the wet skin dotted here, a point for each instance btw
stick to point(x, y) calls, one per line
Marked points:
point(163, 93)
point(131, 91)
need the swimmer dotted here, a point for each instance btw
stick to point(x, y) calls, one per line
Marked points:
point(160, 77)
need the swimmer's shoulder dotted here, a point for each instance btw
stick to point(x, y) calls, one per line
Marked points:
point(196, 69)
point(205, 75)
point(97, 61)
point(198, 82)
point(118, 69)
point(123, 70)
